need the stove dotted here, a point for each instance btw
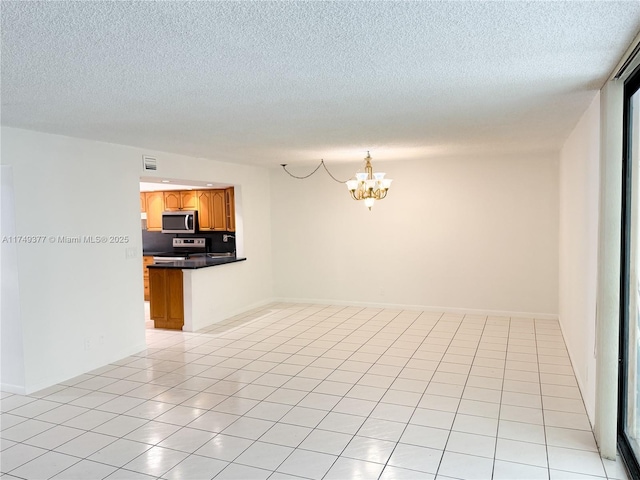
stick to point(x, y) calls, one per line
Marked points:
point(183, 249)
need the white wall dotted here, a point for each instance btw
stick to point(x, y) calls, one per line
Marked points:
point(212, 294)
point(578, 269)
point(459, 233)
point(81, 304)
point(12, 359)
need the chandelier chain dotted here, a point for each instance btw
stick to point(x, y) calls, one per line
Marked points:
point(322, 164)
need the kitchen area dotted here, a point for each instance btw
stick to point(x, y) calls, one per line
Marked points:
point(186, 230)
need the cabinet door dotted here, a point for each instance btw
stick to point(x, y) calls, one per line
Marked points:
point(146, 260)
point(218, 210)
point(231, 209)
point(189, 200)
point(157, 295)
point(143, 202)
point(175, 299)
point(166, 298)
point(172, 201)
point(204, 209)
point(155, 207)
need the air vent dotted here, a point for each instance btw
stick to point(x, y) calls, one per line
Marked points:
point(149, 163)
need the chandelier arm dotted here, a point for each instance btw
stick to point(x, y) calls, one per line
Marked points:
point(334, 178)
point(322, 164)
point(284, 167)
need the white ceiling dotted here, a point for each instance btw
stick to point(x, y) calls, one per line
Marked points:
point(292, 82)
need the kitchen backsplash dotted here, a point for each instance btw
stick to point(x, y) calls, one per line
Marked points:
point(162, 242)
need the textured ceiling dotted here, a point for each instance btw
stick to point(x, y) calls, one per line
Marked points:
point(291, 82)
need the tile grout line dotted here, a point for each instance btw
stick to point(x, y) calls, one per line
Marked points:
point(542, 409)
point(504, 372)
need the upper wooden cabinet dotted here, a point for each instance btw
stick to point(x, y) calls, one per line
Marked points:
point(215, 207)
point(231, 209)
point(189, 200)
point(204, 209)
point(180, 200)
point(172, 201)
point(155, 207)
point(143, 202)
point(218, 211)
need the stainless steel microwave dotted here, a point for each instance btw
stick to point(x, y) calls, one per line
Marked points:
point(183, 221)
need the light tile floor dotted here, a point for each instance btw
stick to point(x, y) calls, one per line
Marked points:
point(318, 392)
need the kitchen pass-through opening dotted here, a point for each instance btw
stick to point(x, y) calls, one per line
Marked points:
point(187, 220)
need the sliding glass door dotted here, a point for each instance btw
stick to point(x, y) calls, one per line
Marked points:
point(629, 393)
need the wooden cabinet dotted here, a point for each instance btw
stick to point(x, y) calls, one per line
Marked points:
point(215, 207)
point(204, 209)
point(230, 205)
point(180, 200)
point(218, 211)
point(189, 200)
point(172, 201)
point(155, 207)
point(146, 260)
point(212, 211)
point(166, 298)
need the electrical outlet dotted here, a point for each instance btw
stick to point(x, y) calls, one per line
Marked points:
point(225, 238)
point(130, 252)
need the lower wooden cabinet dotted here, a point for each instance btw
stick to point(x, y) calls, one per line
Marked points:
point(166, 298)
point(146, 260)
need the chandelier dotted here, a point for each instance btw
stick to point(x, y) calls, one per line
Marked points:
point(369, 185)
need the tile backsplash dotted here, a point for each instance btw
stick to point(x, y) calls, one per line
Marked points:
point(162, 242)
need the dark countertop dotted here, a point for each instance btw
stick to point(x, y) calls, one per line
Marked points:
point(198, 262)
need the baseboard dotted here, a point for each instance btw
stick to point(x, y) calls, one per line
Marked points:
point(226, 315)
point(585, 399)
point(129, 352)
point(424, 308)
point(252, 306)
point(118, 356)
point(17, 389)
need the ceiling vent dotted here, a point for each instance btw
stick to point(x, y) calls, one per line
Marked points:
point(149, 163)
